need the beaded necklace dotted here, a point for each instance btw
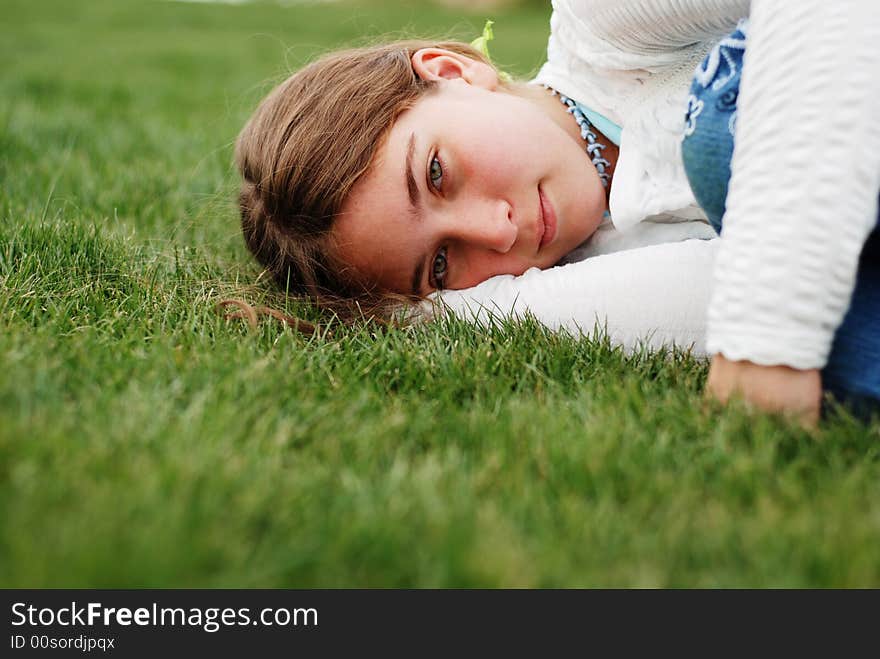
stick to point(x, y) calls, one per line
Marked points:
point(594, 148)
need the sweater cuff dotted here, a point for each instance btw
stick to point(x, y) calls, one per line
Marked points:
point(769, 346)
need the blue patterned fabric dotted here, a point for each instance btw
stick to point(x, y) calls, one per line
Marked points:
point(853, 370)
point(712, 105)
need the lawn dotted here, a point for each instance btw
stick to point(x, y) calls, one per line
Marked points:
point(147, 442)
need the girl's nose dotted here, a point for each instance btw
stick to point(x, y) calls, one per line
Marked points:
point(488, 225)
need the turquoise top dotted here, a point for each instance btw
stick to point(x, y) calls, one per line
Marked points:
point(608, 128)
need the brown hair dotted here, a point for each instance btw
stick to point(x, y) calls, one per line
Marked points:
point(305, 147)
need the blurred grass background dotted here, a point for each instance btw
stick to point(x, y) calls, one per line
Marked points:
point(145, 441)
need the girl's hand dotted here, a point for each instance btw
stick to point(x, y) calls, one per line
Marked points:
point(769, 388)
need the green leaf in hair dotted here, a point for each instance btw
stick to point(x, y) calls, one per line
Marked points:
point(481, 43)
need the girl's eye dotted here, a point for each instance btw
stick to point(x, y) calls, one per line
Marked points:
point(438, 268)
point(436, 173)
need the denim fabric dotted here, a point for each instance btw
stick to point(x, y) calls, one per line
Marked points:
point(853, 370)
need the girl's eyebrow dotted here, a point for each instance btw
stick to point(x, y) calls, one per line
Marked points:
point(417, 277)
point(412, 189)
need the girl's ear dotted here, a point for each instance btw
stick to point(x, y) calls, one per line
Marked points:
point(441, 64)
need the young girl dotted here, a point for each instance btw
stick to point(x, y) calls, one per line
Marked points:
point(413, 167)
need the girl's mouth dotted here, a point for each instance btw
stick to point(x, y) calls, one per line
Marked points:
point(547, 220)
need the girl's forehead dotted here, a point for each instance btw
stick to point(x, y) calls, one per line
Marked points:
point(450, 93)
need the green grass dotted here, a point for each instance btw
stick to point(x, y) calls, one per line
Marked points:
point(145, 441)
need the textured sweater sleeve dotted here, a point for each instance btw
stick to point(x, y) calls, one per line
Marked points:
point(652, 27)
point(653, 296)
point(804, 183)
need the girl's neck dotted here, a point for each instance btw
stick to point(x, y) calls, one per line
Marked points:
point(551, 105)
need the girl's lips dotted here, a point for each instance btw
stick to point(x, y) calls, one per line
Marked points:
point(548, 219)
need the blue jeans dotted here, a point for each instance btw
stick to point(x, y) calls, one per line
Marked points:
point(852, 373)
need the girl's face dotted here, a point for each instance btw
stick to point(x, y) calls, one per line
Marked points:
point(471, 182)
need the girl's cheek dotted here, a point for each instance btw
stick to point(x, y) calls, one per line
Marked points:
point(489, 164)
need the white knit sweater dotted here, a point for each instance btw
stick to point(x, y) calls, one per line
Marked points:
point(806, 167)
